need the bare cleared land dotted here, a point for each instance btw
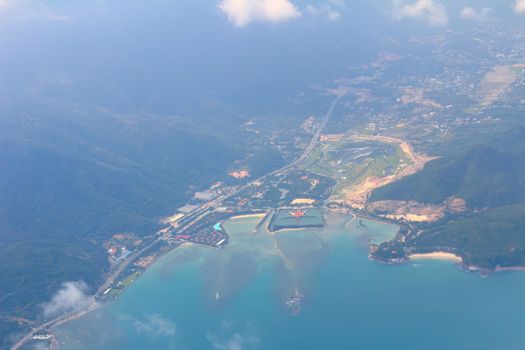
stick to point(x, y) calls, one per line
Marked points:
point(416, 96)
point(417, 212)
point(357, 195)
point(496, 82)
point(362, 163)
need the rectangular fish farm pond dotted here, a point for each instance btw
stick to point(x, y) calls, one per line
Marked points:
point(297, 218)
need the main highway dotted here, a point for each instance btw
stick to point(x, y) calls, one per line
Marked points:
point(306, 153)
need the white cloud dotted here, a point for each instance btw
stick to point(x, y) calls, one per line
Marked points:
point(155, 326)
point(427, 10)
point(71, 296)
point(519, 7)
point(243, 12)
point(333, 15)
point(324, 10)
point(471, 13)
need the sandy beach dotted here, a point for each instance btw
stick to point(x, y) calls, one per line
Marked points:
point(437, 256)
point(248, 216)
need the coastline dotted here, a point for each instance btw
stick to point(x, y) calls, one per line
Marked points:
point(114, 274)
point(444, 256)
point(450, 257)
point(438, 255)
point(96, 303)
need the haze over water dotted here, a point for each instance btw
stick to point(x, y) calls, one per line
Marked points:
point(201, 298)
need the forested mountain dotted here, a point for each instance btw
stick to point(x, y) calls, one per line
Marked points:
point(72, 178)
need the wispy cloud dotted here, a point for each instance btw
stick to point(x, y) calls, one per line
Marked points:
point(244, 12)
point(477, 15)
point(71, 296)
point(46, 15)
point(430, 11)
point(228, 339)
point(519, 7)
point(40, 346)
point(155, 326)
point(324, 10)
point(31, 10)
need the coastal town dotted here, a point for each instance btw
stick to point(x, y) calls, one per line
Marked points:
point(338, 170)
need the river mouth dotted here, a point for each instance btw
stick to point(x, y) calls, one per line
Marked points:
point(239, 297)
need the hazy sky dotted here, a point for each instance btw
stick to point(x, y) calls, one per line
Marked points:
point(129, 54)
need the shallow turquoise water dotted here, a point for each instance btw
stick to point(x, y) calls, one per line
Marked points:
point(349, 302)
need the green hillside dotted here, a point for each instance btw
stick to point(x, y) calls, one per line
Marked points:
point(491, 178)
point(489, 175)
point(495, 237)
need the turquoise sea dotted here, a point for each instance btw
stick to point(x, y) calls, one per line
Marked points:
point(235, 298)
